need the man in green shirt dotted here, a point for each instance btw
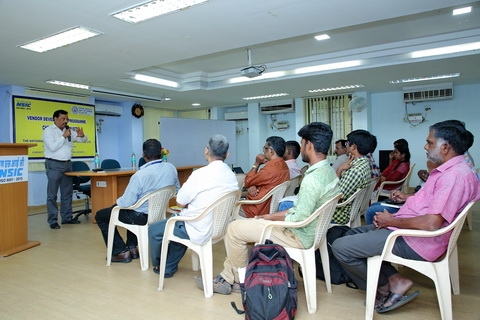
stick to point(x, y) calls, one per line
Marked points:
point(319, 185)
point(354, 173)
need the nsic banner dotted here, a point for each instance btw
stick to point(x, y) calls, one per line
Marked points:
point(13, 169)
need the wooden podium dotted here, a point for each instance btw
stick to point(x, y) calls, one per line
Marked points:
point(14, 204)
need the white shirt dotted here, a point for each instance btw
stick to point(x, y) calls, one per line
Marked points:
point(203, 187)
point(58, 147)
point(339, 161)
point(295, 170)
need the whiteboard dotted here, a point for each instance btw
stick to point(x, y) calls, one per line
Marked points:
point(186, 139)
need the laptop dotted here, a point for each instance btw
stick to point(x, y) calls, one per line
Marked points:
point(237, 170)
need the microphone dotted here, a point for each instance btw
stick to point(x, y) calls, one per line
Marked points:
point(70, 136)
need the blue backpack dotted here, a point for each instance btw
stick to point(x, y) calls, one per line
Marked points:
point(269, 291)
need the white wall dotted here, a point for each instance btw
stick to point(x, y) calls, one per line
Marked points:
point(388, 111)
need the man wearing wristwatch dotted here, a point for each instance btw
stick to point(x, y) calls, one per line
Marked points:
point(260, 181)
point(58, 141)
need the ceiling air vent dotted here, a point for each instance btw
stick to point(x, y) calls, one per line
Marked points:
point(282, 106)
point(440, 91)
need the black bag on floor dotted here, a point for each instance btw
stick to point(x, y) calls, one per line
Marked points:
point(337, 274)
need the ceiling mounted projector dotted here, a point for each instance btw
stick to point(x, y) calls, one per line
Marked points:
point(252, 71)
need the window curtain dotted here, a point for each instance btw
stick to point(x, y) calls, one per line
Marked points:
point(332, 110)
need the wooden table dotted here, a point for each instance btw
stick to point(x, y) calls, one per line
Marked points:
point(107, 186)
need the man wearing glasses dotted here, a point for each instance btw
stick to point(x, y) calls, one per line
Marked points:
point(354, 173)
point(259, 182)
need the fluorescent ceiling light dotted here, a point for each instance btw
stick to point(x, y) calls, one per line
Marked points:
point(196, 104)
point(153, 9)
point(446, 50)
point(353, 86)
point(328, 66)
point(462, 10)
point(155, 80)
point(68, 84)
point(61, 39)
point(442, 76)
point(275, 95)
point(322, 37)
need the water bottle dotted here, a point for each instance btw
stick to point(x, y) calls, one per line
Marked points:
point(134, 161)
point(96, 161)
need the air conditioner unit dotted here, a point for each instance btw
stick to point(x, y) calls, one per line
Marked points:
point(282, 106)
point(108, 110)
point(241, 115)
point(439, 91)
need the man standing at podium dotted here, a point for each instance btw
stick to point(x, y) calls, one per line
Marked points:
point(58, 141)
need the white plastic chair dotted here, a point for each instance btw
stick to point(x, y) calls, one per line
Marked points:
point(366, 201)
point(306, 257)
point(222, 210)
point(356, 199)
point(294, 183)
point(440, 271)
point(404, 187)
point(276, 194)
point(240, 179)
point(157, 205)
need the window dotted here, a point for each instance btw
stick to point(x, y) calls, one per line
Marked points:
point(332, 110)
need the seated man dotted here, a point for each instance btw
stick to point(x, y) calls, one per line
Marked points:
point(354, 173)
point(292, 151)
point(319, 185)
point(341, 153)
point(152, 176)
point(260, 182)
point(203, 187)
point(449, 188)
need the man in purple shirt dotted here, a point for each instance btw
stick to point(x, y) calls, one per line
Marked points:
point(450, 187)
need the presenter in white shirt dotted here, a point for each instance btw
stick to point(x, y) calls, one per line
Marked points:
point(58, 141)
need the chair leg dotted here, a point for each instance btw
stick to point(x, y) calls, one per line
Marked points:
point(163, 263)
point(310, 281)
point(206, 265)
point(469, 220)
point(454, 271)
point(142, 238)
point(195, 261)
point(111, 232)
point(374, 265)
point(326, 265)
point(444, 294)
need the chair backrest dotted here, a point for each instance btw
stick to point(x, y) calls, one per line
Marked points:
point(141, 162)
point(240, 179)
point(110, 164)
point(324, 216)
point(158, 202)
point(406, 183)
point(368, 195)
point(294, 183)
point(223, 213)
point(80, 166)
point(458, 224)
point(357, 200)
point(277, 194)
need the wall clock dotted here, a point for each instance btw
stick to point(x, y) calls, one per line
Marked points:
point(137, 110)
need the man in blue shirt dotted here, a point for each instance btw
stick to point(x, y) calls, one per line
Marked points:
point(152, 176)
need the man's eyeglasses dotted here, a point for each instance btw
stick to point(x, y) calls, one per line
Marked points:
point(267, 148)
point(347, 143)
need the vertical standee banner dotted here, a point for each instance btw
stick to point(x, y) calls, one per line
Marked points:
point(33, 115)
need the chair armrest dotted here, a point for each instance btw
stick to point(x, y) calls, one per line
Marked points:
point(267, 230)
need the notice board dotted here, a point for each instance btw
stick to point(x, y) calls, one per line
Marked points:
point(186, 139)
